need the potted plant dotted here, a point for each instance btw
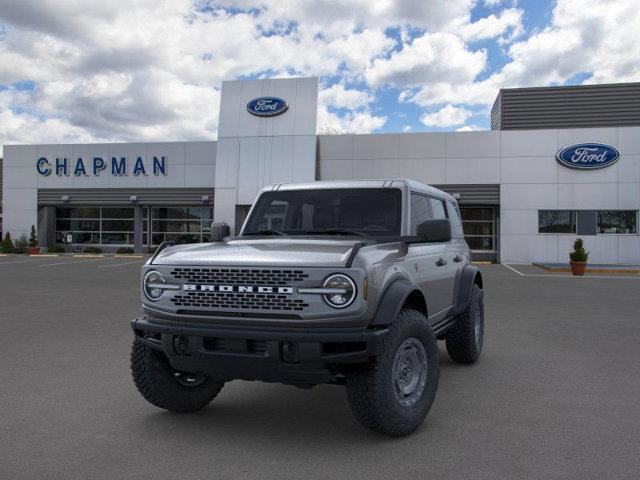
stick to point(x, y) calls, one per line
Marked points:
point(578, 258)
point(7, 244)
point(33, 242)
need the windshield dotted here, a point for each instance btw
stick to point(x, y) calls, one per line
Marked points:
point(354, 211)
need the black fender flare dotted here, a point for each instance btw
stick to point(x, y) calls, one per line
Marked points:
point(392, 300)
point(470, 275)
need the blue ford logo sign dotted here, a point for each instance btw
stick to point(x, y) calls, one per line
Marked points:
point(267, 106)
point(588, 156)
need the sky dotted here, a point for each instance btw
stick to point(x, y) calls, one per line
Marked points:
point(77, 71)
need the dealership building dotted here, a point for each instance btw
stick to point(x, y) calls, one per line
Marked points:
point(559, 162)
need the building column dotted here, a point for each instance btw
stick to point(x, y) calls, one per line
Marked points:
point(46, 229)
point(137, 228)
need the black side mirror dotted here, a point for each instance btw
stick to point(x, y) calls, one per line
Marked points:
point(219, 230)
point(435, 230)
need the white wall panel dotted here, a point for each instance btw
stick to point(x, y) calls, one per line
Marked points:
point(88, 153)
point(629, 140)
point(375, 169)
point(473, 144)
point(200, 153)
point(528, 196)
point(604, 175)
point(519, 222)
point(629, 196)
point(304, 163)
point(529, 170)
point(20, 155)
point(199, 176)
point(375, 147)
point(473, 170)
point(425, 170)
point(422, 145)
point(228, 151)
point(587, 196)
point(629, 249)
point(528, 248)
point(335, 147)
point(529, 143)
point(570, 136)
point(20, 177)
point(336, 170)
point(629, 168)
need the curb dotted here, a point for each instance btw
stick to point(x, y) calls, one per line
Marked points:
point(128, 256)
point(589, 270)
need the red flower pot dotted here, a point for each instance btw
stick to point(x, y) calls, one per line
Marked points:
point(578, 268)
point(34, 250)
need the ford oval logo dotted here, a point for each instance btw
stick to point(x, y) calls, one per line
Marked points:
point(588, 156)
point(267, 106)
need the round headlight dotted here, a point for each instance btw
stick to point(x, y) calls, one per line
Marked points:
point(153, 282)
point(344, 290)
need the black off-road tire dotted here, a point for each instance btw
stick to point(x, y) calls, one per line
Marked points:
point(464, 340)
point(156, 381)
point(370, 388)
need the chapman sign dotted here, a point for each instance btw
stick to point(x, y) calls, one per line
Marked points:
point(267, 106)
point(588, 156)
point(95, 166)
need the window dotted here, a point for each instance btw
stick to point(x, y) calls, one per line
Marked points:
point(95, 225)
point(618, 221)
point(420, 211)
point(437, 208)
point(371, 211)
point(478, 225)
point(180, 224)
point(454, 216)
point(556, 221)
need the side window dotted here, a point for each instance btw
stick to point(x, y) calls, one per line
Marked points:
point(420, 211)
point(456, 223)
point(437, 207)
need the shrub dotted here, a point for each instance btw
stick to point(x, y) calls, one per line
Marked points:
point(91, 249)
point(124, 250)
point(33, 238)
point(56, 249)
point(579, 254)
point(7, 244)
point(153, 249)
point(21, 244)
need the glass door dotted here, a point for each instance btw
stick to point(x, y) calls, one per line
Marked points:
point(480, 232)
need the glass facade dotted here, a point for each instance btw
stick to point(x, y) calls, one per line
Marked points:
point(115, 225)
point(618, 221)
point(180, 224)
point(478, 225)
point(557, 221)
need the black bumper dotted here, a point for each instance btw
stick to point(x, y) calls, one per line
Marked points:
point(293, 356)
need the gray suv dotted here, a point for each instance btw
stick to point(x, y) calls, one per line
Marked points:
point(349, 283)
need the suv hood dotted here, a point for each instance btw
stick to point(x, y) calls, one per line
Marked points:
point(293, 252)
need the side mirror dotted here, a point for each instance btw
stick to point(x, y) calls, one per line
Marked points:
point(435, 230)
point(219, 230)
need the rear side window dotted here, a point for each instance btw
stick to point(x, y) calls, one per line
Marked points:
point(420, 211)
point(437, 208)
point(454, 217)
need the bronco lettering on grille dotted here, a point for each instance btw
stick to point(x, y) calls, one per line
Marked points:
point(237, 289)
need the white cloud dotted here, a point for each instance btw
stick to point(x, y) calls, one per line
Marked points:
point(509, 20)
point(338, 96)
point(447, 116)
point(407, 128)
point(432, 57)
point(469, 128)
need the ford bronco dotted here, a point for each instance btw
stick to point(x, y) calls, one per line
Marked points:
point(349, 283)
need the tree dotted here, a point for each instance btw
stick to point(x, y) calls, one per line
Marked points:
point(33, 239)
point(7, 244)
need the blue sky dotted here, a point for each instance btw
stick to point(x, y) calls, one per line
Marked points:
point(77, 71)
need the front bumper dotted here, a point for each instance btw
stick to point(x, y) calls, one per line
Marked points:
point(292, 356)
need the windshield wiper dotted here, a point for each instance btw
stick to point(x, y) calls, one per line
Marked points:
point(268, 231)
point(337, 231)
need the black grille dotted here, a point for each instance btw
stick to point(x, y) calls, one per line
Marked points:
point(239, 276)
point(217, 344)
point(240, 301)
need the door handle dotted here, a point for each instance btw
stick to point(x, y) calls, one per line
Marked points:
point(457, 259)
point(441, 262)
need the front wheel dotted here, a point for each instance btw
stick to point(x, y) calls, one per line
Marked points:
point(394, 392)
point(165, 387)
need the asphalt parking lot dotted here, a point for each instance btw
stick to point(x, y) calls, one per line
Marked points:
point(555, 394)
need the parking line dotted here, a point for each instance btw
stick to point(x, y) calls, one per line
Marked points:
point(21, 261)
point(565, 276)
point(121, 264)
point(513, 270)
point(70, 263)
